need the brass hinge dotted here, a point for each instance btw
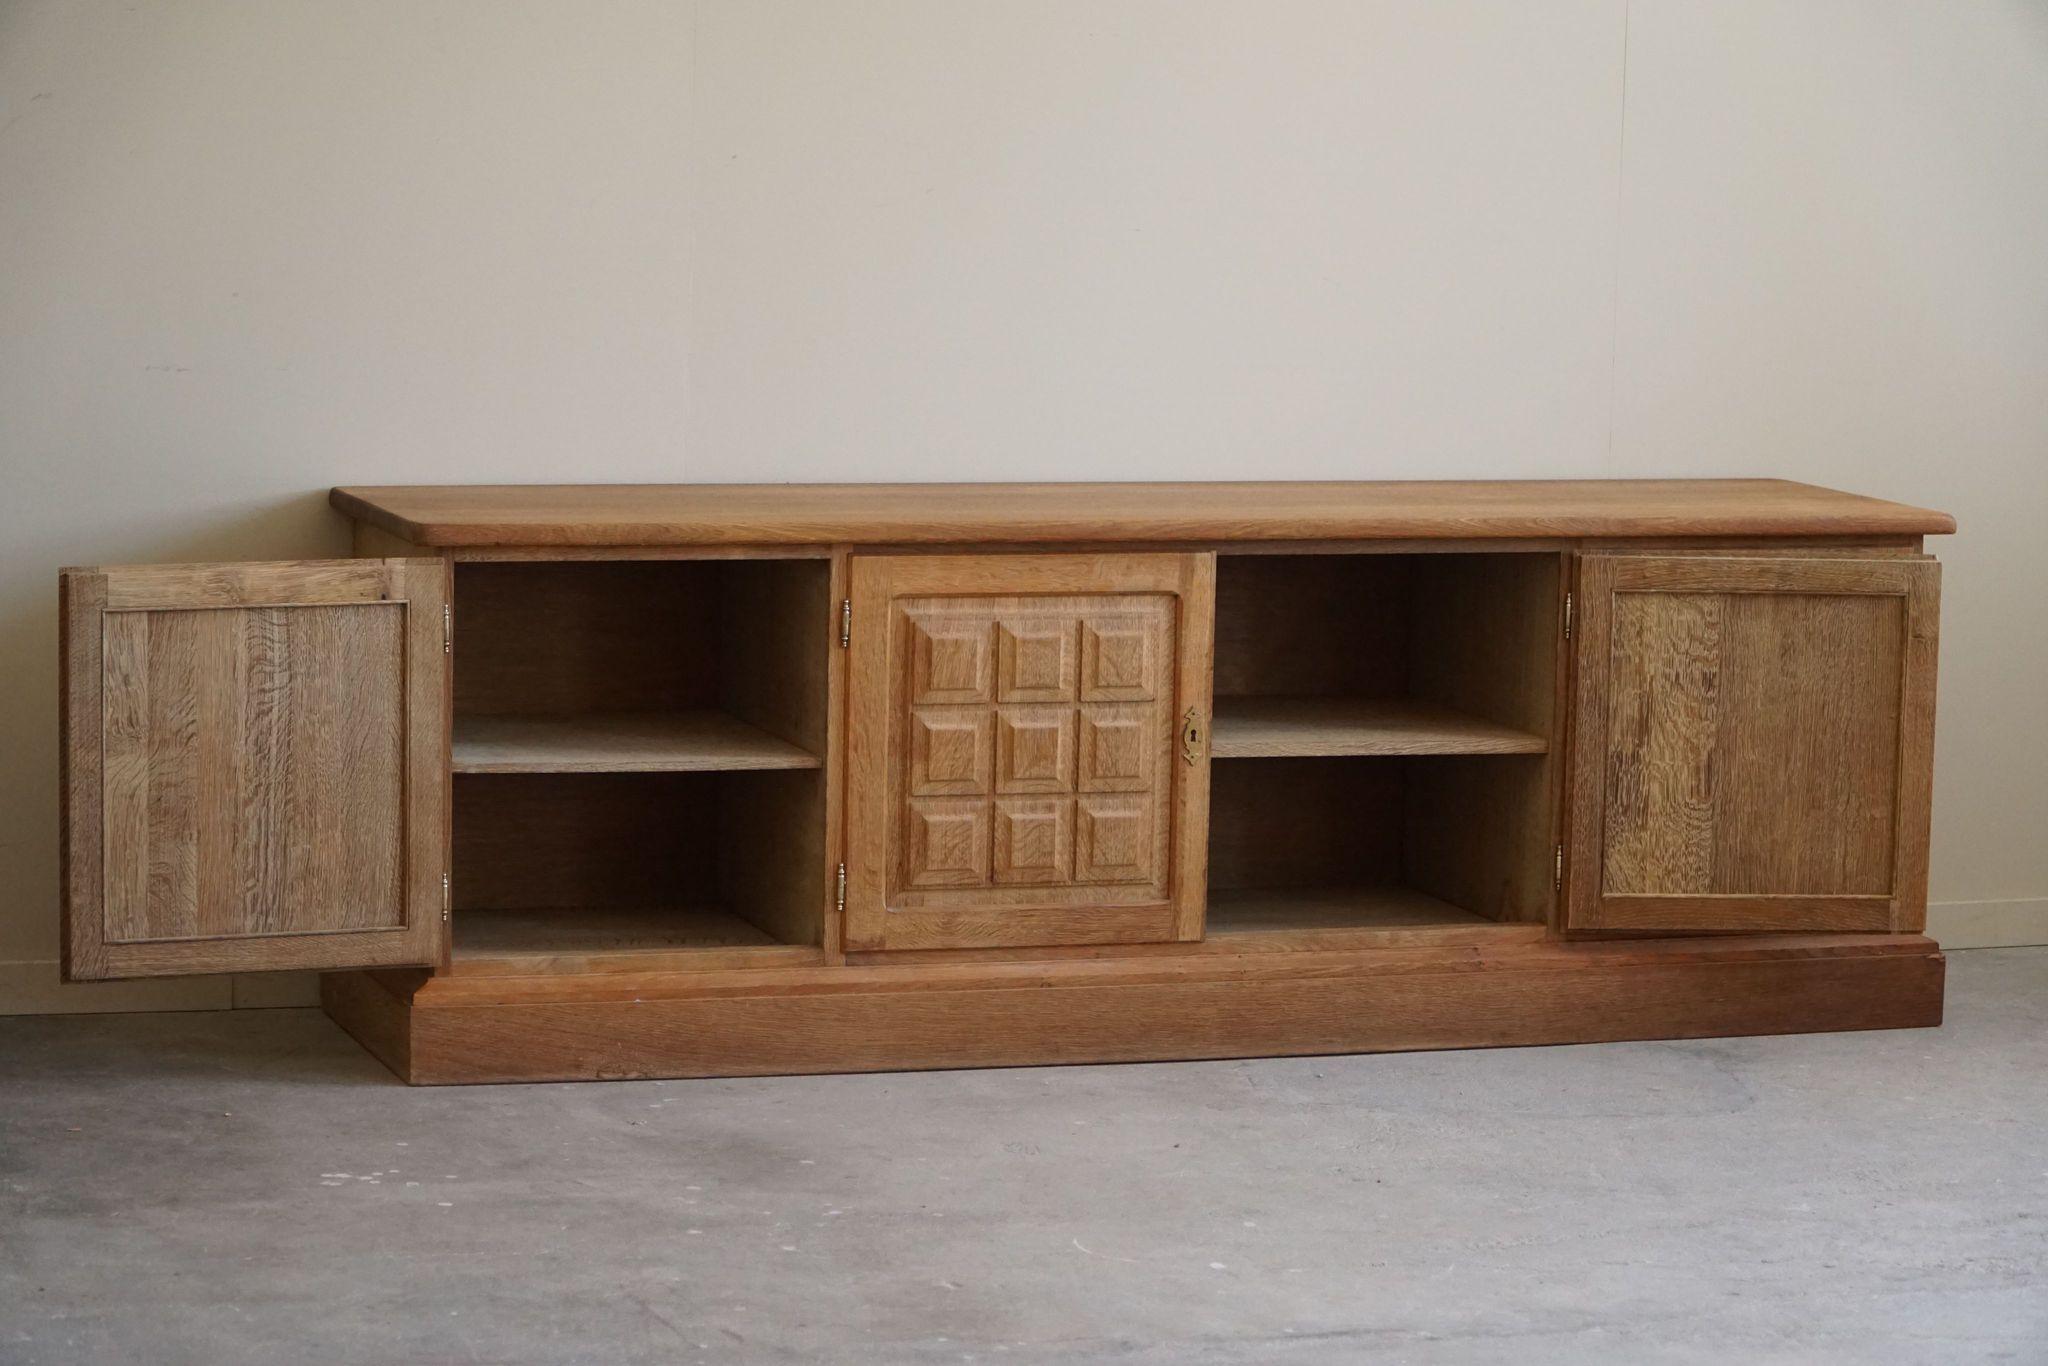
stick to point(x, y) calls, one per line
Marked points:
point(1557, 875)
point(447, 897)
point(447, 629)
point(1567, 616)
point(840, 898)
point(845, 622)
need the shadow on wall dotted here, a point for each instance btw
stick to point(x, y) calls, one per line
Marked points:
point(301, 526)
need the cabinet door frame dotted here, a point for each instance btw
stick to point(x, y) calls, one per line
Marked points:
point(877, 581)
point(1913, 578)
point(89, 597)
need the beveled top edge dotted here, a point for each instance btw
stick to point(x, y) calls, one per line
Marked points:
point(541, 515)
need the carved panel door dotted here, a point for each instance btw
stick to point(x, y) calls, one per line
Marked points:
point(1028, 758)
point(255, 767)
point(1752, 743)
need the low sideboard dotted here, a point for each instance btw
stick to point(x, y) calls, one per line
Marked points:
point(600, 781)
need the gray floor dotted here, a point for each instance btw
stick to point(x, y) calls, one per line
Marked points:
point(252, 1188)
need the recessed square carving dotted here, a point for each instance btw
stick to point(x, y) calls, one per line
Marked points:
point(1117, 748)
point(1119, 657)
point(949, 752)
point(948, 844)
point(1011, 714)
point(1036, 660)
point(950, 660)
point(1034, 839)
point(1035, 749)
point(1113, 839)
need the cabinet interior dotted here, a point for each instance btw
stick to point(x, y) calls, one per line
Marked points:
point(639, 762)
point(1383, 741)
point(639, 753)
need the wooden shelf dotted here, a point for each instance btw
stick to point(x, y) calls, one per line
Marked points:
point(622, 742)
point(512, 943)
point(1306, 727)
point(1313, 915)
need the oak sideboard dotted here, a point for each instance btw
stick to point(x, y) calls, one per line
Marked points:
point(667, 781)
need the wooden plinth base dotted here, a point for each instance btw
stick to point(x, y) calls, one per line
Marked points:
point(935, 1015)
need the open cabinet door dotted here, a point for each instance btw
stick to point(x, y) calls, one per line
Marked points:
point(1752, 743)
point(1028, 757)
point(255, 767)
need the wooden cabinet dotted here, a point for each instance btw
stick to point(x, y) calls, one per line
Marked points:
point(1753, 743)
point(665, 781)
point(1027, 752)
point(256, 767)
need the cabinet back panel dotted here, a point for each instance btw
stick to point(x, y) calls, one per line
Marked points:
point(1475, 632)
point(1305, 822)
point(1312, 625)
point(750, 843)
point(580, 839)
point(599, 636)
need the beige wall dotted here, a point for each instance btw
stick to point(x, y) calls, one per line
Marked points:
point(248, 250)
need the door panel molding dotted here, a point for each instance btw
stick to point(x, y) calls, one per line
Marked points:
point(255, 767)
point(1752, 743)
point(1014, 776)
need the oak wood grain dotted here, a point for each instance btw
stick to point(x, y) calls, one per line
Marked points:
point(1014, 769)
point(870, 514)
point(1508, 948)
point(967, 1015)
point(256, 768)
point(1752, 742)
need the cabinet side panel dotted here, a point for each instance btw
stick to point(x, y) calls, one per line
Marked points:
point(1916, 749)
point(776, 627)
point(771, 852)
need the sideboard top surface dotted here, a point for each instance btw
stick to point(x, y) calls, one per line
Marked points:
point(816, 514)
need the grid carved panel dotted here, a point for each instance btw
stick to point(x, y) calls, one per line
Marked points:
point(1037, 742)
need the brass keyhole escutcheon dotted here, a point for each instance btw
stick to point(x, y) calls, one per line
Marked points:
point(1191, 735)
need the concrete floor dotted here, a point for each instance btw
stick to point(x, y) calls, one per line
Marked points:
point(251, 1187)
